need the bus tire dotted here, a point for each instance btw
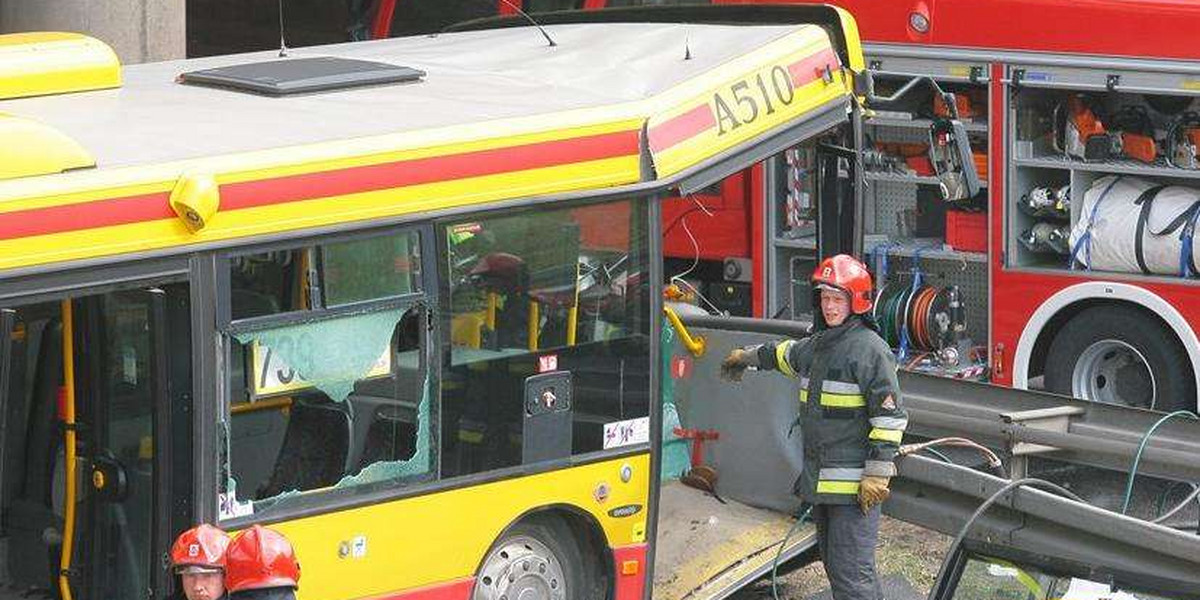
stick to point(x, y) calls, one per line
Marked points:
point(538, 558)
point(1120, 355)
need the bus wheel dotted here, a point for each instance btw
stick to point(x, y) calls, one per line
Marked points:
point(1118, 355)
point(535, 560)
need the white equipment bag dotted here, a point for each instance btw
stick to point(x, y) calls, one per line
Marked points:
point(1136, 226)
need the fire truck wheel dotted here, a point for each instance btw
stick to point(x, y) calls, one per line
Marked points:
point(537, 559)
point(1119, 355)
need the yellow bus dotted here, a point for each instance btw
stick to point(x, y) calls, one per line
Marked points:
point(400, 299)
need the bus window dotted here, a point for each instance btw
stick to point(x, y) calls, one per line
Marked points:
point(327, 371)
point(329, 275)
point(532, 293)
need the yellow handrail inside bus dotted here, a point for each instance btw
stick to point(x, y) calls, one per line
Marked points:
point(493, 305)
point(694, 344)
point(282, 402)
point(573, 312)
point(68, 348)
point(534, 319)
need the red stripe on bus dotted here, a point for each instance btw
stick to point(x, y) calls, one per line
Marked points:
point(85, 215)
point(700, 119)
point(459, 589)
point(427, 170)
point(150, 207)
point(681, 127)
point(810, 69)
point(629, 562)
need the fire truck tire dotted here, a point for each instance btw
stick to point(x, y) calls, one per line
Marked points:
point(538, 559)
point(1119, 355)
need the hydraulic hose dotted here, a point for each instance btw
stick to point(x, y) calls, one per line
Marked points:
point(1137, 458)
point(993, 460)
point(783, 544)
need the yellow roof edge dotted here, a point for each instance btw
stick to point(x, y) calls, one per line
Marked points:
point(51, 62)
point(34, 148)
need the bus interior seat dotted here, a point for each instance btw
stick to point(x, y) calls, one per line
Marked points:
point(391, 434)
point(314, 450)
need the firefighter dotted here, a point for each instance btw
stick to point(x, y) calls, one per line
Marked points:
point(261, 566)
point(850, 417)
point(198, 557)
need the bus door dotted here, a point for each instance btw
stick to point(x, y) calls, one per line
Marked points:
point(93, 385)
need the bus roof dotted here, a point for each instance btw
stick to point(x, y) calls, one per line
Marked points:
point(472, 78)
point(500, 115)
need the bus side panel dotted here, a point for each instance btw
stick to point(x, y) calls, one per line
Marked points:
point(437, 541)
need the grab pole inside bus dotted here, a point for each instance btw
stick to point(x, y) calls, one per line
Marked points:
point(68, 418)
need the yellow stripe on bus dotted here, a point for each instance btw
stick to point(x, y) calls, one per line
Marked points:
point(418, 199)
point(87, 186)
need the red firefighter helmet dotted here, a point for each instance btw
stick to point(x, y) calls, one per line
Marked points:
point(200, 549)
point(846, 273)
point(260, 558)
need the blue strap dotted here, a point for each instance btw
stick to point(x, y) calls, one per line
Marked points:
point(1085, 240)
point(1187, 235)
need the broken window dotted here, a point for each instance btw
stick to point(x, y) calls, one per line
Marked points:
point(989, 578)
point(557, 293)
point(329, 389)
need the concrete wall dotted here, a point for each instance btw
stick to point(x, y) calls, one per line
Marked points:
point(138, 30)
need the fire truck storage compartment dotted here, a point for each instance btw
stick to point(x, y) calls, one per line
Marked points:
point(907, 224)
point(1085, 142)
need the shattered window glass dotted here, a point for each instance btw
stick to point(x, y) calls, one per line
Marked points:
point(327, 401)
point(989, 578)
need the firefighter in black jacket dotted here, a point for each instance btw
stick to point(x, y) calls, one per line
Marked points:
point(850, 417)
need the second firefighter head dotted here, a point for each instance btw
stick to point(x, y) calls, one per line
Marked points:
point(841, 288)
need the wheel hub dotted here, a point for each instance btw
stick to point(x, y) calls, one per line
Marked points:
point(1114, 372)
point(521, 569)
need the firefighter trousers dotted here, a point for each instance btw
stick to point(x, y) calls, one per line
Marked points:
point(846, 540)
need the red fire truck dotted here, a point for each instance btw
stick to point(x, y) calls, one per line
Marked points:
point(1073, 270)
point(1083, 114)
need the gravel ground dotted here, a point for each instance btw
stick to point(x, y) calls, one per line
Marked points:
point(908, 561)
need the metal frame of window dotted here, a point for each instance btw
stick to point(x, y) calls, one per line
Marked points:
point(326, 500)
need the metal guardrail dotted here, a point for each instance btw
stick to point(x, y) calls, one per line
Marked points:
point(1024, 422)
point(942, 496)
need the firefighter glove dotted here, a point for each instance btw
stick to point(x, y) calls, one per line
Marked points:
point(873, 490)
point(734, 365)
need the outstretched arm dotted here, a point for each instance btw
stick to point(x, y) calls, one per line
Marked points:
point(779, 355)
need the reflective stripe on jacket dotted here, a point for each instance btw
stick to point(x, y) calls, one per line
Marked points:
point(850, 414)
